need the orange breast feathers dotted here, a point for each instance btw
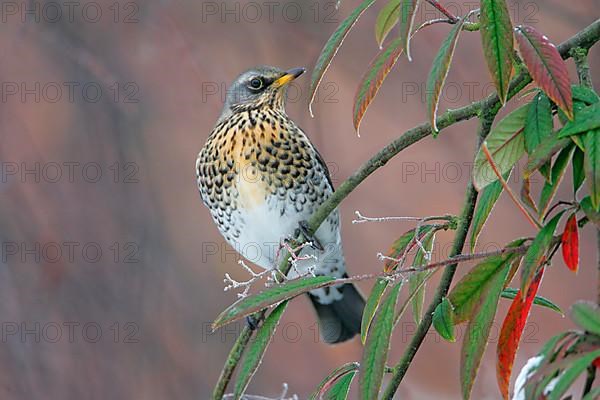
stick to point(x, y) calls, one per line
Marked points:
point(249, 144)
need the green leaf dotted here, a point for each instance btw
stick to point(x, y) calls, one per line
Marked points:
point(497, 39)
point(506, 145)
point(333, 385)
point(594, 394)
point(586, 119)
point(373, 78)
point(340, 389)
point(256, 350)
point(442, 320)
point(578, 169)
point(394, 11)
point(371, 306)
point(417, 280)
point(386, 20)
point(478, 330)
point(591, 165)
point(332, 46)
point(584, 94)
point(587, 316)
point(549, 146)
point(511, 293)
point(467, 292)
point(377, 347)
point(568, 377)
point(588, 209)
point(536, 254)
point(538, 124)
point(439, 71)
point(485, 204)
point(546, 66)
point(404, 305)
point(558, 171)
point(577, 107)
point(272, 295)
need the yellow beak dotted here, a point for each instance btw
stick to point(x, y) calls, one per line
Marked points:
point(288, 77)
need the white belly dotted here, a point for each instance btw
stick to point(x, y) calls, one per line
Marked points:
point(263, 231)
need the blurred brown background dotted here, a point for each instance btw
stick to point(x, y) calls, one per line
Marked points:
point(111, 267)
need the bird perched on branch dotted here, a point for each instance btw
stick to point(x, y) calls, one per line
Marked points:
point(262, 178)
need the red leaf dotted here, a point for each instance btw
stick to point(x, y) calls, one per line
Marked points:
point(510, 334)
point(546, 67)
point(596, 362)
point(570, 244)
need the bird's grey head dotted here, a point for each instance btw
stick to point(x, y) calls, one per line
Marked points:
point(259, 87)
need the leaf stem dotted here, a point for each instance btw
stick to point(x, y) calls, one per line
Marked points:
point(453, 18)
point(490, 159)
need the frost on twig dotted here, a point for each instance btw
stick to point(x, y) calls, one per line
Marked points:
point(254, 276)
point(282, 396)
point(295, 257)
point(274, 275)
point(416, 238)
point(361, 218)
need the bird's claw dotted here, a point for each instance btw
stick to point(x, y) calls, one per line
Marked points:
point(305, 230)
point(252, 322)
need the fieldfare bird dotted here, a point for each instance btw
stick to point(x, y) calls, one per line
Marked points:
point(262, 178)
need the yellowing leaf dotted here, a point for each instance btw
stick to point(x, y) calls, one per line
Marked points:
point(506, 145)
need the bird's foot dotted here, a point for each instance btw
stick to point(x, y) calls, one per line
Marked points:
point(305, 230)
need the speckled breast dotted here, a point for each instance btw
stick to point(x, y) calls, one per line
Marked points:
point(259, 175)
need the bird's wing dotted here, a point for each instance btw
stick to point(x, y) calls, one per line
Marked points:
point(321, 161)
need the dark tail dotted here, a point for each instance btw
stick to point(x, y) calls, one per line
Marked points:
point(340, 320)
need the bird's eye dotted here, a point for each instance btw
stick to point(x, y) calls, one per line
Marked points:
point(256, 83)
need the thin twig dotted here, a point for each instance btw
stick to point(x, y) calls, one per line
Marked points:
point(443, 10)
point(362, 219)
point(490, 159)
point(433, 22)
